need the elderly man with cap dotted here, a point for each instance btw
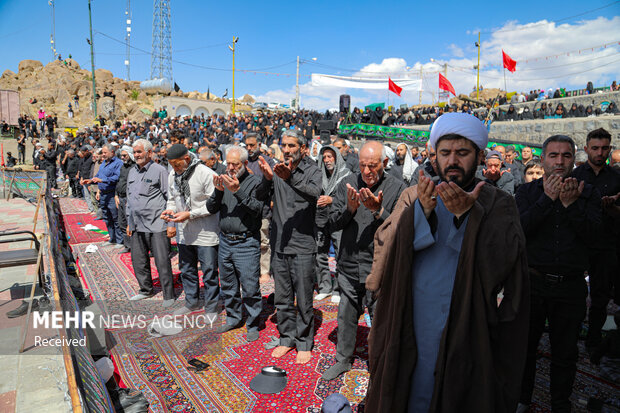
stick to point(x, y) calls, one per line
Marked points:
point(147, 195)
point(121, 194)
point(451, 322)
point(190, 185)
point(106, 180)
point(362, 203)
point(495, 174)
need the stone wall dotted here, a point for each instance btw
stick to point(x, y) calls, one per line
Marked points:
point(536, 131)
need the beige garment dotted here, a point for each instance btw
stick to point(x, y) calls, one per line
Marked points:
point(265, 248)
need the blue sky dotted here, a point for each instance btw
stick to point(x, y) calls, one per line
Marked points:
point(345, 37)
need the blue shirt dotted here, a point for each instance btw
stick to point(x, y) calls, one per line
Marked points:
point(433, 273)
point(109, 172)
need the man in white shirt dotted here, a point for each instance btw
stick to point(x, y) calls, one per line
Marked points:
point(190, 185)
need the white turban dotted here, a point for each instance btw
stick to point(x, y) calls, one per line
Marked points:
point(462, 124)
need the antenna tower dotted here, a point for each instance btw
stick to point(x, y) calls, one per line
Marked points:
point(128, 37)
point(161, 53)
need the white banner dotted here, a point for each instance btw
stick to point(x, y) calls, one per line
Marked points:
point(364, 83)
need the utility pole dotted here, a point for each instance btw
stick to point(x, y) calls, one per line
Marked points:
point(92, 60)
point(421, 74)
point(128, 37)
point(479, 46)
point(53, 35)
point(297, 87)
point(232, 48)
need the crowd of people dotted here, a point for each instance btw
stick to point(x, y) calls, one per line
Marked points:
point(459, 254)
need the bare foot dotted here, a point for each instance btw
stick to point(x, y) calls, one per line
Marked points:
point(303, 357)
point(280, 351)
point(264, 278)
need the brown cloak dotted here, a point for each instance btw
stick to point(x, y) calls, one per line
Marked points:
point(483, 346)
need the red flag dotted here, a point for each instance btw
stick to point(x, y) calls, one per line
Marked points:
point(509, 64)
point(393, 87)
point(2, 151)
point(444, 84)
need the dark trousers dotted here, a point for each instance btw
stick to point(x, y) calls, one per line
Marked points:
point(110, 216)
point(603, 270)
point(21, 154)
point(122, 220)
point(564, 315)
point(294, 278)
point(158, 244)
point(76, 188)
point(189, 256)
point(326, 284)
point(353, 299)
point(239, 264)
point(52, 176)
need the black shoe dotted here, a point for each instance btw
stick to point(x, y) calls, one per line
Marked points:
point(336, 370)
point(228, 327)
point(125, 250)
point(22, 309)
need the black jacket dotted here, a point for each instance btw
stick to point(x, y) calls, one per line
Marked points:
point(240, 212)
point(121, 185)
point(358, 229)
point(86, 167)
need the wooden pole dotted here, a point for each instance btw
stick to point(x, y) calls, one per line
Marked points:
point(34, 286)
point(8, 195)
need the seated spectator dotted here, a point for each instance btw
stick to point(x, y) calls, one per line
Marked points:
point(612, 108)
point(560, 111)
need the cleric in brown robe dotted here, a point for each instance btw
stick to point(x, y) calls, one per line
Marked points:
point(451, 279)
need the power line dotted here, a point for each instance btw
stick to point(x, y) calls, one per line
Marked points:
point(549, 22)
point(544, 78)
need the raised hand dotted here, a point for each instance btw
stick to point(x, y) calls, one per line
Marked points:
point(218, 182)
point(324, 201)
point(427, 195)
point(232, 183)
point(265, 168)
point(353, 199)
point(552, 186)
point(493, 176)
point(456, 199)
point(370, 201)
point(284, 169)
point(571, 190)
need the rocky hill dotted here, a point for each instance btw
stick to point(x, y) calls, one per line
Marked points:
point(55, 84)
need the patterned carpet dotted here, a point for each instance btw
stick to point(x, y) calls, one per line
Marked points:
point(74, 224)
point(158, 366)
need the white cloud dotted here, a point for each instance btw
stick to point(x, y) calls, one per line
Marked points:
point(456, 51)
point(523, 42)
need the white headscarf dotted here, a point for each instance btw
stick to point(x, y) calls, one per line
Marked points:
point(409, 166)
point(315, 144)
